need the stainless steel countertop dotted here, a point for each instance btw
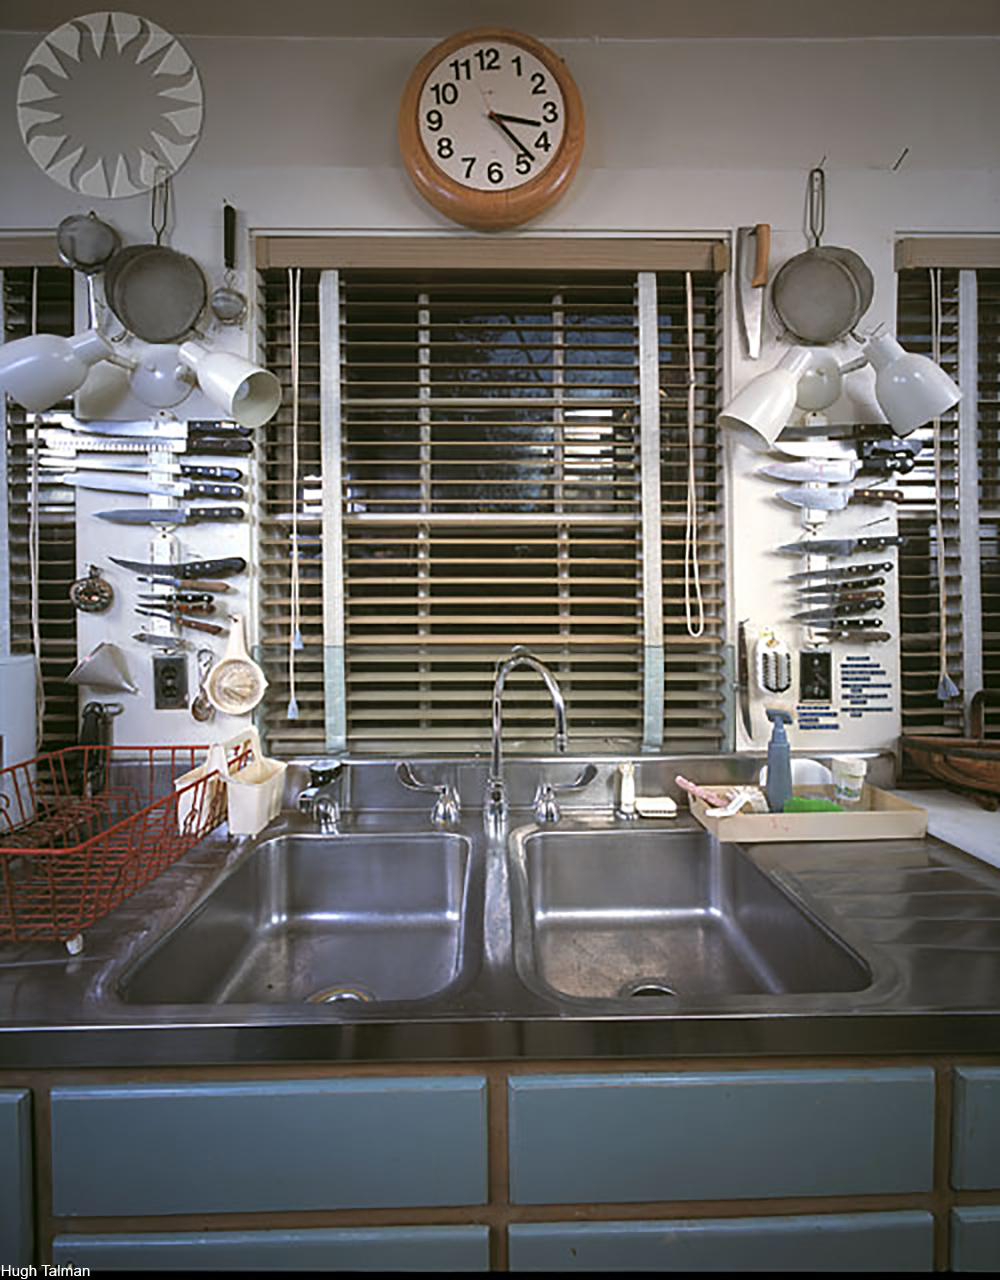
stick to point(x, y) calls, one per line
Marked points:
point(924, 916)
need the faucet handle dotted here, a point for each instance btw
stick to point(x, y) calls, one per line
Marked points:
point(546, 808)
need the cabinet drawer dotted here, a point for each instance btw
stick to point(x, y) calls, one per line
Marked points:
point(975, 1238)
point(281, 1145)
point(823, 1242)
point(975, 1150)
point(705, 1136)
point(15, 1177)
point(337, 1249)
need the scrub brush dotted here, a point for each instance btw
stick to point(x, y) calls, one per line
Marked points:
point(774, 663)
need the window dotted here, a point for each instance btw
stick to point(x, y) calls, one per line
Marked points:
point(943, 286)
point(488, 458)
point(38, 299)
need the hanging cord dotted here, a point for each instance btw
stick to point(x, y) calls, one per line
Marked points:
point(295, 632)
point(946, 686)
point(692, 574)
point(34, 549)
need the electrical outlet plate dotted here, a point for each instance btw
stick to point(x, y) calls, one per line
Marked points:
point(170, 682)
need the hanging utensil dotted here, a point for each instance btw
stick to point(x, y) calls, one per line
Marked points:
point(840, 546)
point(86, 244)
point(236, 684)
point(821, 294)
point(156, 292)
point(818, 499)
point(228, 305)
point(201, 707)
point(753, 248)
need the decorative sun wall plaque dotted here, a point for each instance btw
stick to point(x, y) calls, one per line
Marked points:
point(109, 105)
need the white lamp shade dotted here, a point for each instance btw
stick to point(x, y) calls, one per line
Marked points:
point(760, 412)
point(248, 394)
point(911, 389)
point(39, 371)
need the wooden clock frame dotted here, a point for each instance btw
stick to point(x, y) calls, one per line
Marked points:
point(491, 210)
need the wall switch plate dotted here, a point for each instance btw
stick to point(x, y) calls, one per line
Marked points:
point(170, 682)
point(815, 675)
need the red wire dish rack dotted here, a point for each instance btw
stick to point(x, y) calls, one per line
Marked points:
point(83, 828)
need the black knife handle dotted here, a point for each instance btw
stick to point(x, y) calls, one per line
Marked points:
point(879, 544)
point(206, 427)
point(216, 446)
point(198, 490)
point(216, 513)
point(211, 473)
point(224, 568)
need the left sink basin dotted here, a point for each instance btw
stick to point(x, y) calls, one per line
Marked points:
point(327, 919)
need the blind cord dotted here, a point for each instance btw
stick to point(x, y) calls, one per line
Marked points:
point(34, 549)
point(692, 572)
point(946, 686)
point(295, 632)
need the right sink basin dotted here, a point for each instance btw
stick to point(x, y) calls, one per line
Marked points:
point(663, 916)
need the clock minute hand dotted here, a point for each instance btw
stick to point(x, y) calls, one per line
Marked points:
point(499, 122)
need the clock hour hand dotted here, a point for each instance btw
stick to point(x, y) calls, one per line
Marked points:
point(497, 115)
point(499, 122)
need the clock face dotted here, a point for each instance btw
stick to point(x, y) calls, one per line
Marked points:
point(491, 127)
point(491, 116)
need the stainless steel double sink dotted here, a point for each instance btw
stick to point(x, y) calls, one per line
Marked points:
point(589, 913)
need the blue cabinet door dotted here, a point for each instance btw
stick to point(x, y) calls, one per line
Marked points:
point(322, 1249)
point(815, 1242)
point(15, 1177)
point(975, 1238)
point(578, 1139)
point(269, 1145)
point(975, 1154)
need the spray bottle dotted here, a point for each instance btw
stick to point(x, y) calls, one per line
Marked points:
point(779, 762)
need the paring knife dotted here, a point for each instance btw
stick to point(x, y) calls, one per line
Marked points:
point(172, 605)
point(842, 546)
point(837, 499)
point(181, 621)
point(180, 597)
point(847, 572)
point(170, 515)
point(192, 584)
point(166, 488)
point(224, 568)
point(855, 634)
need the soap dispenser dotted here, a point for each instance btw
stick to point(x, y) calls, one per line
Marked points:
point(779, 762)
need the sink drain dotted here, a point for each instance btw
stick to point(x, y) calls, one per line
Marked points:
point(340, 994)
point(646, 988)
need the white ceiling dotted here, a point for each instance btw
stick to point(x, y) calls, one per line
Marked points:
point(549, 19)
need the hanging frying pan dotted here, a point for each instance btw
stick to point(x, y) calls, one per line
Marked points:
point(157, 293)
point(820, 295)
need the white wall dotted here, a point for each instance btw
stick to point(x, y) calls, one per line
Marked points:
point(687, 137)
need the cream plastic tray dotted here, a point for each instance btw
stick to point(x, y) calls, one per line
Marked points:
point(881, 816)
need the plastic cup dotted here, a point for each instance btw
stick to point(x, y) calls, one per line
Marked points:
point(849, 780)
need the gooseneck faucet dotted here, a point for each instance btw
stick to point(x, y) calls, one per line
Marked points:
point(495, 803)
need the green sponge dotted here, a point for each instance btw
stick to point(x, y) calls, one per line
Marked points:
point(811, 804)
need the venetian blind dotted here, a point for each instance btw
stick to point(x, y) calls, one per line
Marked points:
point(970, 502)
point(40, 299)
point(490, 494)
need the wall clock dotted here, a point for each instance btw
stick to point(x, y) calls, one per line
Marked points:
point(491, 128)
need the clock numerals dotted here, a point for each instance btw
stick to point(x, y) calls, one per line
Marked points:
point(550, 112)
point(434, 120)
point(445, 94)
point(542, 142)
point(445, 148)
point(538, 83)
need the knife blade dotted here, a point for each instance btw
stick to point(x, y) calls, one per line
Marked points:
point(751, 267)
point(170, 515)
point(835, 470)
point(165, 488)
point(839, 612)
point(113, 462)
point(143, 430)
point(848, 590)
point(846, 573)
point(227, 567)
point(743, 677)
point(836, 499)
point(853, 634)
point(842, 546)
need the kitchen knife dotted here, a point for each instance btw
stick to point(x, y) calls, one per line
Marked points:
point(836, 499)
point(835, 470)
point(743, 677)
point(842, 546)
point(181, 621)
point(170, 515)
point(753, 247)
point(839, 612)
point(225, 568)
point(180, 597)
point(206, 427)
point(193, 584)
point(216, 446)
point(841, 588)
point(166, 488)
point(852, 634)
point(120, 462)
point(144, 430)
point(846, 573)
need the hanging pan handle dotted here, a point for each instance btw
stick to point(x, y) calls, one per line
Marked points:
point(229, 236)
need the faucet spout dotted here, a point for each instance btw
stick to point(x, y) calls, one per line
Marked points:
point(495, 804)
